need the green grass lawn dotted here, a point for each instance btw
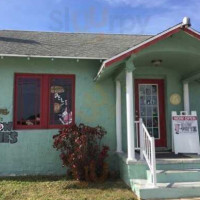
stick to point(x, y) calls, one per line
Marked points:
point(58, 188)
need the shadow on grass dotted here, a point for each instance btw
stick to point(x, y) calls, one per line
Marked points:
point(107, 185)
point(33, 178)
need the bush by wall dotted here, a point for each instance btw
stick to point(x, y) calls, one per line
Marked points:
point(82, 152)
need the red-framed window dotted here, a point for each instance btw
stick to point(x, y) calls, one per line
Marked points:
point(43, 101)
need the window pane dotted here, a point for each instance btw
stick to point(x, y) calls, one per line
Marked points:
point(28, 101)
point(60, 101)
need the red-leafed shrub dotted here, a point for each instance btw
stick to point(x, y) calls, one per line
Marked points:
point(82, 153)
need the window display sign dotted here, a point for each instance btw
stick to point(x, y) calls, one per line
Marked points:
point(185, 133)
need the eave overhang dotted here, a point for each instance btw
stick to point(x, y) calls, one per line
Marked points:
point(134, 50)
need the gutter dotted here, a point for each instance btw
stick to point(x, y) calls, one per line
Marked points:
point(52, 57)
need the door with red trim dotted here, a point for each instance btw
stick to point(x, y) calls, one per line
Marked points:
point(150, 106)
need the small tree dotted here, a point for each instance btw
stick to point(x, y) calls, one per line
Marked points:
point(82, 153)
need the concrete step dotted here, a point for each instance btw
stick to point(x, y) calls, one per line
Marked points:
point(145, 190)
point(166, 176)
point(177, 164)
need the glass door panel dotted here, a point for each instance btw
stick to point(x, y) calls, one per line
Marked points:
point(149, 108)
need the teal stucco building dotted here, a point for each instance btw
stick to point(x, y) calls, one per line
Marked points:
point(129, 84)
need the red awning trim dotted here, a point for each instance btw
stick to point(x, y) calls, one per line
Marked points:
point(141, 46)
point(192, 32)
point(146, 44)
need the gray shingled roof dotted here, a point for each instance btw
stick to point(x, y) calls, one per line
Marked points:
point(66, 44)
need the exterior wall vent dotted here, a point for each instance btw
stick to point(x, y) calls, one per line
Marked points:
point(186, 22)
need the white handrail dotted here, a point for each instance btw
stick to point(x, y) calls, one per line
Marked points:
point(147, 150)
point(137, 141)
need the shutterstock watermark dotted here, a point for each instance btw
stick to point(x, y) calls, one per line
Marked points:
point(96, 20)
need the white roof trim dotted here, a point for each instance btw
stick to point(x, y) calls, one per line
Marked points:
point(193, 30)
point(65, 57)
point(135, 47)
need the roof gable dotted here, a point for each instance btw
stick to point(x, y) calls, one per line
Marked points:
point(150, 41)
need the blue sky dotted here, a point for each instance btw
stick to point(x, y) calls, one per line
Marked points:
point(102, 16)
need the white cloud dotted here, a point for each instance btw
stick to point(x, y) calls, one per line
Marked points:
point(160, 15)
point(138, 3)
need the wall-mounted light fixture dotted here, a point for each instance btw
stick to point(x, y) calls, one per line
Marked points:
point(156, 63)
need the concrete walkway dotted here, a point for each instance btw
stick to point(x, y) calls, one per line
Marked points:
point(183, 199)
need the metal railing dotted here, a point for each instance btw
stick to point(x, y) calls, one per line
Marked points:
point(146, 143)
